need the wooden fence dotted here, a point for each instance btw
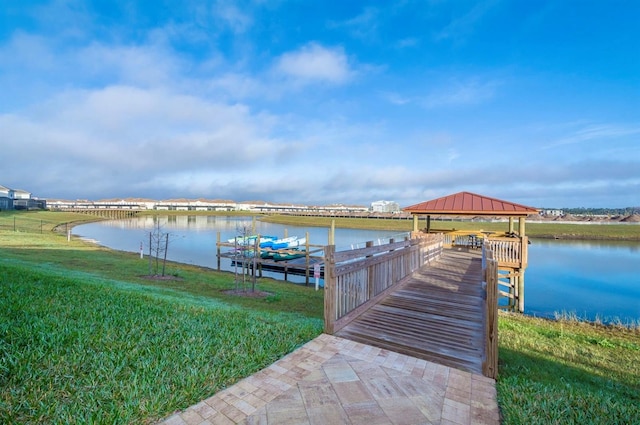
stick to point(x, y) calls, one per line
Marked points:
point(356, 279)
point(490, 285)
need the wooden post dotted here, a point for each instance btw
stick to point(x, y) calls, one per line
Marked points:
point(256, 252)
point(428, 224)
point(521, 292)
point(513, 289)
point(306, 259)
point(415, 222)
point(370, 277)
point(332, 233)
point(490, 363)
point(218, 249)
point(329, 289)
point(510, 224)
point(524, 253)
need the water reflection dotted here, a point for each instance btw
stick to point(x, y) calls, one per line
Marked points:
point(192, 239)
point(591, 279)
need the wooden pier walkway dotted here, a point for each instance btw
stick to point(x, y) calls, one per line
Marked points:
point(437, 315)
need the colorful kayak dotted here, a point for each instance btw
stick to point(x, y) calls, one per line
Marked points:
point(250, 240)
point(285, 256)
point(283, 243)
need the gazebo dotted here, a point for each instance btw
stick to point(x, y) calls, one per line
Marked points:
point(471, 204)
point(512, 248)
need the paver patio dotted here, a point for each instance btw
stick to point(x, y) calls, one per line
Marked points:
point(331, 380)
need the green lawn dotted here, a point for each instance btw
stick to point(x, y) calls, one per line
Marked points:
point(567, 372)
point(85, 337)
point(76, 348)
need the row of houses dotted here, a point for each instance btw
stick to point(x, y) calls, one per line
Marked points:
point(198, 205)
point(219, 205)
point(18, 199)
point(21, 199)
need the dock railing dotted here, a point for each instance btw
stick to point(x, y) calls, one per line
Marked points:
point(509, 252)
point(490, 286)
point(354, 280)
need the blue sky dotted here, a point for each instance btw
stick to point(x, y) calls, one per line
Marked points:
point(322, 102)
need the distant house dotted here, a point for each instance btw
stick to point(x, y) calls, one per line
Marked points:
point(18, 199)
point(21, 194)
point(5, 192)
point(553, 213)
point(385, 206)
point(6, 198)
point(6, 203)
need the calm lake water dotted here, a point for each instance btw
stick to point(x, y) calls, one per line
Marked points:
point(592, 279)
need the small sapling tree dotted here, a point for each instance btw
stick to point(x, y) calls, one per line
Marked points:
point(158, 247)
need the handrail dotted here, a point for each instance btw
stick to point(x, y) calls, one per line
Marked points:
point(509, 252)
point(356, 279)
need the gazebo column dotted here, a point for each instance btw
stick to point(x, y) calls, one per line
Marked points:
point(415, 222)
point(524, 255)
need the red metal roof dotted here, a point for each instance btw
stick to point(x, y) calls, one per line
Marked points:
point(467, 203)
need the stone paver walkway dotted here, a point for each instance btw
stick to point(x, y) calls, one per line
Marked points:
point(331, 380)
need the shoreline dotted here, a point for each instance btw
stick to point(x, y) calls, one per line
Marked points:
point(569, 230)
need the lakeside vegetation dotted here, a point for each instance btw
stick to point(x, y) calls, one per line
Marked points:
point(86, 337)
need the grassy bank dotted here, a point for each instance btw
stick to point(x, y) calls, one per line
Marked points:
point(567, 372)
point(77, 348)
point(85, 337)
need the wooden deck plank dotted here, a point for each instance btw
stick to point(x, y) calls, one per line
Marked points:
point(436, 315)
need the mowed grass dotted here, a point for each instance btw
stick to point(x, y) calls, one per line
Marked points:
point(83, 349)
point(85, 337)
point(567, 372)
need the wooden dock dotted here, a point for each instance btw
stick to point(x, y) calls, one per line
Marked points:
point(437, 315)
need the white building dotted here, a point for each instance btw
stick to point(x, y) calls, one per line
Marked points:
point(19, 199)
point(385, 206)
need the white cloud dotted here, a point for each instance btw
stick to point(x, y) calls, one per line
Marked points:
point(593, 132)
point(128, 132)
point(142, 65)
point(461, 27)
point(363, 26)
point(460, 93)
point(397, 99)
point(315, 63)
point(229, 13)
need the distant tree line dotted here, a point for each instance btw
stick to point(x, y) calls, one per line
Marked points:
point(602, 211)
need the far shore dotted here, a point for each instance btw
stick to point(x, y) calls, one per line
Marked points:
point(535, 229)
point(604, 230)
